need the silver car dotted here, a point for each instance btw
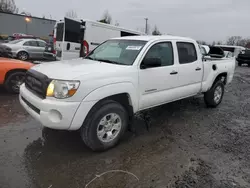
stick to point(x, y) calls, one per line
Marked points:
point(24, 49)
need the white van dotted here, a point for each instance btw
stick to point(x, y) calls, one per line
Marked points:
point(76, 38)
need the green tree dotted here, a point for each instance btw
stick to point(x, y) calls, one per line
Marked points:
point(156, 31)
point(106, 18)
point(201, 42)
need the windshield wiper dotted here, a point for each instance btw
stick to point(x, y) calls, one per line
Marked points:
point(108, 61)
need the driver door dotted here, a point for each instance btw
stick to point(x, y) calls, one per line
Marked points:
point(157, 83)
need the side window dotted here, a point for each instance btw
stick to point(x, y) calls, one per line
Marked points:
point(187, 52)
point(26, 43)
point(41, 44)
point(30, 43)
point(162, 51)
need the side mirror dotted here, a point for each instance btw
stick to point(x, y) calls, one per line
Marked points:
point(150, 63)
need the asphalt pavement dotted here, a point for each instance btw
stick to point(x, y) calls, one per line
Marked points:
point(187, 146)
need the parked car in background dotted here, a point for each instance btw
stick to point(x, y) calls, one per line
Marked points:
point(3, 38)
point(228, 54)
point(214, 53)
point(99, 94)
point(12, 73)
point(25, 49)
point(234, 49)
point(17, 36)
point(5, 51)
point(244, 57)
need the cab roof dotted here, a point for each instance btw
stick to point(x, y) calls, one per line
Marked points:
point(152, 37)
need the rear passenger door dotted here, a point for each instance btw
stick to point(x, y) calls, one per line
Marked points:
point(157, 84)
point(190, 69)
point(32, 48)
point(41, 46)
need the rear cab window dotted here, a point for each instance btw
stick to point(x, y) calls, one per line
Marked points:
point(186, 52)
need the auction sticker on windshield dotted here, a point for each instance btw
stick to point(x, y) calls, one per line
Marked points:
point(133, 48)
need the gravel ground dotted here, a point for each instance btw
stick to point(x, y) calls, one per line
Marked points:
point(187, 146)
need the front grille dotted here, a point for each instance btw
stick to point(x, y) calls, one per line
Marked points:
point(37, 83)
point(31, 106)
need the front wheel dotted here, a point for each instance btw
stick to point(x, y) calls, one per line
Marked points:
point(14, 81)
point(23, 56)
point(104, 126)
point(214, 96)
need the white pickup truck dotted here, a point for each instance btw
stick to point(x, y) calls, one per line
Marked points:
point(100, 94)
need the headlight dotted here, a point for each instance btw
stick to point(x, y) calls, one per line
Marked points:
point(62, 89)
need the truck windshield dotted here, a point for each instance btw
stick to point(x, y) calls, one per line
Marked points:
point(123, 52)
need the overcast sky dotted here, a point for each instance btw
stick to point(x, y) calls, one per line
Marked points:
point(200, 19)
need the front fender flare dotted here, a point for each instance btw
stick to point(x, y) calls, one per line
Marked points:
point(100, 93)
point(114, 89)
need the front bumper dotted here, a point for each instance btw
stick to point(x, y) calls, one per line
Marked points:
point(51, 113)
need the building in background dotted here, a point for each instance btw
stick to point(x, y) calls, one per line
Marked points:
point(16, 23)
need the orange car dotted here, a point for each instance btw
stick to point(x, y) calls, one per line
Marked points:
point(12, 73)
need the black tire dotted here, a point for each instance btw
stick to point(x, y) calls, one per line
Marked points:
point(209, 96)
point(23, 56)
point(88, 130)
point(239, 64)
point(13, 82)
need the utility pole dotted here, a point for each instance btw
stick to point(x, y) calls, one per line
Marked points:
point(146, 27)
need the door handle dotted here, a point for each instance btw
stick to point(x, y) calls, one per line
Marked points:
point(198, 69)
point(173, 73)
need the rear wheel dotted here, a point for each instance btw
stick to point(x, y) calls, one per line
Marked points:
point(23, 56)
point(214, 96)
point(239, 63)
point(104, 126)
point(14, 81)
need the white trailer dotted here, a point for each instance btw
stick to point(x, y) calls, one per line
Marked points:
point(75, 38)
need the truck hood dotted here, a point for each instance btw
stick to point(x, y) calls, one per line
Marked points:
point(74, 69)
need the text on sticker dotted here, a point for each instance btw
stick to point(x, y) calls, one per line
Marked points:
point(133, 48)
